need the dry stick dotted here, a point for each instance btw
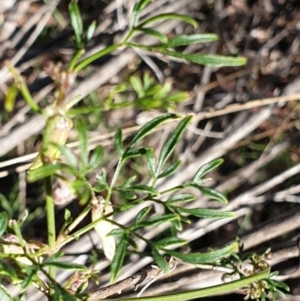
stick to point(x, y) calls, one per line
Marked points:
point(286, 194)
point(30, 23)
point(280, 253)
point(148, 273)
point(91, 83)
point(279, 131)
point(45, 14)
point(247, 197)
point(199, 116)
point(9, 22)
point(268, 133)
point(249, 105)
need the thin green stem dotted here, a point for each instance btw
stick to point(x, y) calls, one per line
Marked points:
point(205, 292)
point(28, 98)
point(72, 103)
point(96, 56)
point(78, 219)
point(50, 212)
point(108, 50)
point(24, 89)
point(18, 232)
point(128, 36)
point(172, 189)
point(87, 228)
point(75, 59)
point(141, 46)
point(113, 181)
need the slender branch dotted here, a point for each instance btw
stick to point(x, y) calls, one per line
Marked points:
point(150, 272)
point(96, 56)
point(50, 221)
point(201, 293)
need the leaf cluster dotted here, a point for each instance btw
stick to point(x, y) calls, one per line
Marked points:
point(21, 261)
point(170, 200)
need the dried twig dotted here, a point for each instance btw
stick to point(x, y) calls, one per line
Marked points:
point(150, 272)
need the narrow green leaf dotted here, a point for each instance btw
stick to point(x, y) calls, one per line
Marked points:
point(7, 270)
point(70, 157)
point(42, 172)
point(150, 161)
point(118, 260)
point(206, 168)
point(128, 195)
point(137, 85)
point(213, 194)
point(132, 243)
point(126, 207)
point(66, 265)
point(142, 214)
point(201, 258)
point(137, 9)
point(281, 285)
point(60, 294)
point(3, 222)
point(170, 170)
point(129, 182)
point(182, 218)
point(133, 153)
point(90, 31)
point(29, 278)
point(101, 178)
point(118, 143)
point(154, 33)
point(177, 225)
point(160, 261)
point(9, 101)
point(183, 40)
point(83, 190)
point(130, 205)
point(4, 294)
point(170, 241)
point(141, 188)
point(67, 216)
point(164, 90)
point(101, 182)
point(100, 187)
point(150, 126)
point(116, 232)
point(76, 22)
point(171, 143)
point(96, 157)
point(148, 80)
point(140, 5)
point(182, 197)
point(163, 17)
point(210, 60)
point(24, 297)
point(156, 219)
point(178, 97)
point(83, 143)
point(207, 213)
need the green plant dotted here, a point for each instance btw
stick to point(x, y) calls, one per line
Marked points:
point(26, 259)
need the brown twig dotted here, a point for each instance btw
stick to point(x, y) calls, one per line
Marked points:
point(150, 272)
